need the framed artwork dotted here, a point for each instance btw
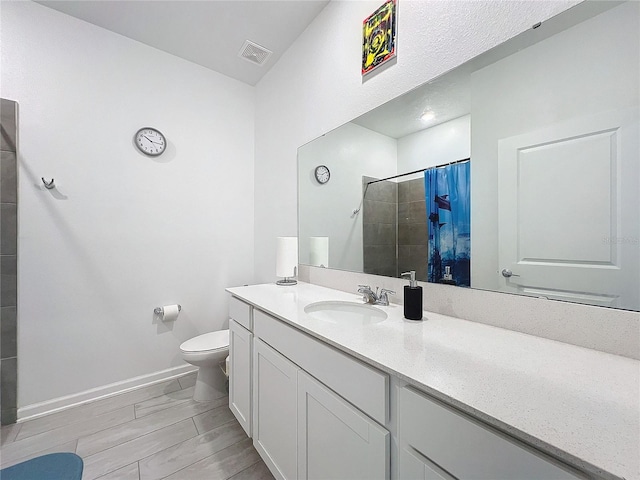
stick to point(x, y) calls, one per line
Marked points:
point(379, 37)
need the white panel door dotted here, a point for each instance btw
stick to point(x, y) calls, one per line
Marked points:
point(240, 347)
point(275, 410)
point(568, 211)
point(335, 440)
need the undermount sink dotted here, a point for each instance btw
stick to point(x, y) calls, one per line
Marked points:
point(345, 312)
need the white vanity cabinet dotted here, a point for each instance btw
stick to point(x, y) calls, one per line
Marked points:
point(303, 425)
point(436, 442)
point(275, 410)
point(240, 365)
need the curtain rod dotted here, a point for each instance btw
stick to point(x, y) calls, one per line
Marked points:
point(417, 171)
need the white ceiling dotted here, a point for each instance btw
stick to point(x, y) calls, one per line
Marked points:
point(447, 97)
point(209, 33)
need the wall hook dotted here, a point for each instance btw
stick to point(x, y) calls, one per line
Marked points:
point(48, 185)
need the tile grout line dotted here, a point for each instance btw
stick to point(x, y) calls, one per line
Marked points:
point(162, 409)
point(14, 436)
point(238, 473)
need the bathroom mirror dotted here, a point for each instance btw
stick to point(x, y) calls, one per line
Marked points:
point(549, 121)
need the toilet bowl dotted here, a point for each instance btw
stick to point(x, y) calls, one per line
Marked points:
point(207, 352)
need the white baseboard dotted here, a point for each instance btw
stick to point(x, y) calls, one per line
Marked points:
point(35, 410)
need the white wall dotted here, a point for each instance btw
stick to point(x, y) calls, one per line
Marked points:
point(349, 152)
point(561, 67)
point(123, 233)
point(446, 142)
point(316, 86)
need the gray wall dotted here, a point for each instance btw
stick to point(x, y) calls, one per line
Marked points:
point(379, 220)
point(394, 221)
point(412, 228)
point(8, 262)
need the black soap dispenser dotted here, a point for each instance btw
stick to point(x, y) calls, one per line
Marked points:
point(412, 297)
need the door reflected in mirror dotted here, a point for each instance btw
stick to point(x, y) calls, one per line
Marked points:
point(550, 123)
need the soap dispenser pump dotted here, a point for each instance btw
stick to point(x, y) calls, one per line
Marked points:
point(412, 297)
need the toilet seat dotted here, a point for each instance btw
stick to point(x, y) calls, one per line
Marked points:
point(207, 342)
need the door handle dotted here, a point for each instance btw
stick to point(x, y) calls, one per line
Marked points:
point(506, 273)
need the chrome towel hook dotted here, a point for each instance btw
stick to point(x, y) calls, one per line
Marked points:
point(48, 185)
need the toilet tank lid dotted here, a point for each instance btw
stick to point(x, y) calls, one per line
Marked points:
point(207, 341)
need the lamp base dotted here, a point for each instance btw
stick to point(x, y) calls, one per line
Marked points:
point(286, 282)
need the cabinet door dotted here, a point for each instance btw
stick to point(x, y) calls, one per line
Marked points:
point(335, 440)
point(275, 410)
point(414, 466)
point(240, 341)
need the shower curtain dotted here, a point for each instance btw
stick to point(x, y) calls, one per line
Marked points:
point(447, 192)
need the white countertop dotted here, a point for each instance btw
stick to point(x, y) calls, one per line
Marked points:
point(580, 405)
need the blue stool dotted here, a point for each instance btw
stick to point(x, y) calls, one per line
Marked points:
point(55, 466)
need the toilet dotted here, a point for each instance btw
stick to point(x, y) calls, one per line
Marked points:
point(208, 352)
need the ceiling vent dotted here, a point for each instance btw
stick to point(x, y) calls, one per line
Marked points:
point(254, 53)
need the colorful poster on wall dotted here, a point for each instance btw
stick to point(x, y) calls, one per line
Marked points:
point(379, 37)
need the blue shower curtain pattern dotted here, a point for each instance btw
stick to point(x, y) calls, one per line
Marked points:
point(448, 197)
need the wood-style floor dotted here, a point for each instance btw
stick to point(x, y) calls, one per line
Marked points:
point(153, 432)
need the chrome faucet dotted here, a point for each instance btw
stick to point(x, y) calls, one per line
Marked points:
point(369, 296)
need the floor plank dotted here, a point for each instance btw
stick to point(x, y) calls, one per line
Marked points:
point(91, 444)
point(130, 472)
point(61, 435)
point(213, 418)
point(64, 447)
point(75, 414)
point(188, 380)
point(257, 471)
point(179, 456)
point(221, 465)
point(156, 404)
point(114, 458)
point(8, 433)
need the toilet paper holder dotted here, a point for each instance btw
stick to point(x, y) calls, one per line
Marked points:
point(160, 310)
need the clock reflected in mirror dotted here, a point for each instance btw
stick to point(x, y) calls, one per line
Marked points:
point(322, 174)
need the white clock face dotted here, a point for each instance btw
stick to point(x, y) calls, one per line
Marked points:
point(322, 174)
point(150, 141)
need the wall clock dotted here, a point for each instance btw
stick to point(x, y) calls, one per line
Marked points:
point(150, 141)
point(322, 174)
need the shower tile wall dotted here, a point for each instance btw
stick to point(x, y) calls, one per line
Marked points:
point(8, 262)
point(379, 220)
point(412, 228)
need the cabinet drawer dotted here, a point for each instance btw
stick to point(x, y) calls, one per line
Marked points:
point(362, 385)
point(241, 313)
point(463, 448)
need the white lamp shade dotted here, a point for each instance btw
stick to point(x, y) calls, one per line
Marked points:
point(319, 251)
point(286, 256)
